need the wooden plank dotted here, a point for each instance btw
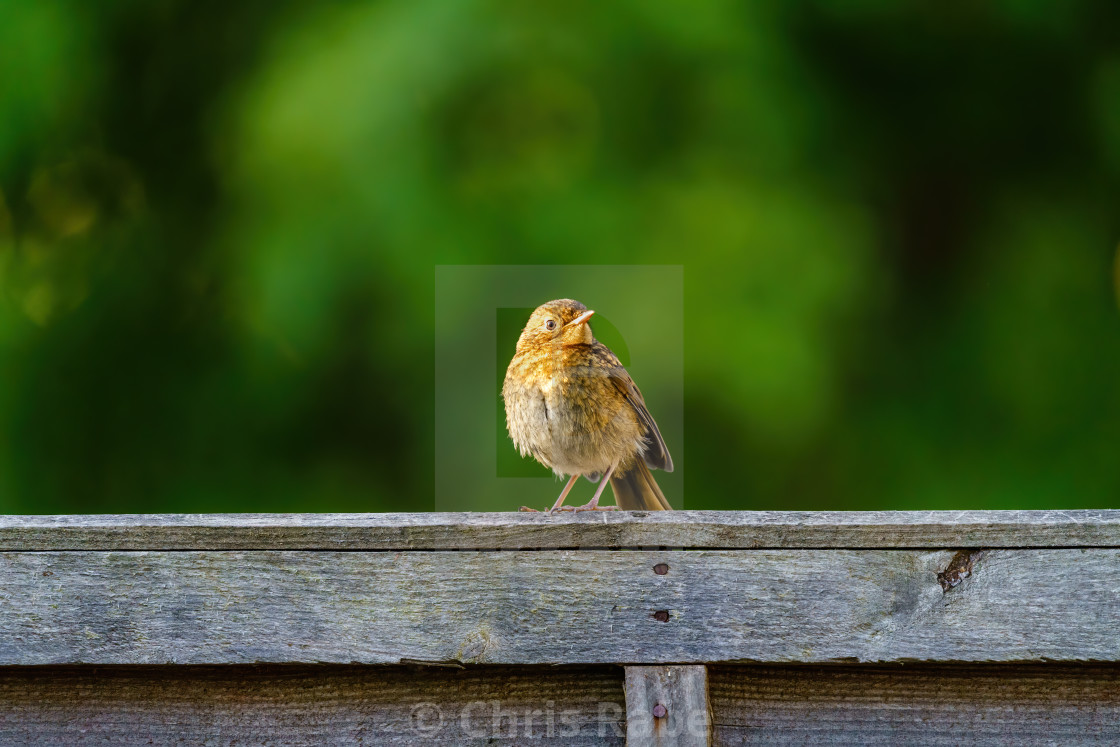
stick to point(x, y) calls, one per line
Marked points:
point(667, 706)
point(917, 705)
point(482, 531)
point(313, 706)
point(592, 606)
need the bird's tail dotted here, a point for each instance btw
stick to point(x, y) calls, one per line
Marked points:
point(636, 490)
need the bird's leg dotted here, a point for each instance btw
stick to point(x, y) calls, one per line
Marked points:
point(560, 500)
point(564, 493)
point(593, 504)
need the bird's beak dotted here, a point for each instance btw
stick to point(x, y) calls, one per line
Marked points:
point(580, 319)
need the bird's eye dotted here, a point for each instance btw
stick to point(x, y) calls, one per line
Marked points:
point(550, 325)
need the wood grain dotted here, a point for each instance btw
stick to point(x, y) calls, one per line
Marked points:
point(335, 705)
point(667, 706)
point(916, 705)
point(483, 531)
point(591, 606)
point(325, 705)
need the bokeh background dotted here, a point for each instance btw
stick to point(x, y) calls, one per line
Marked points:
point(219, 224)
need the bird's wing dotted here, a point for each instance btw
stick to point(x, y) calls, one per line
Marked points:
point(657, 453)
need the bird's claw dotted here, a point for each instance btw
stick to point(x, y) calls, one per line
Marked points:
point(573, 509)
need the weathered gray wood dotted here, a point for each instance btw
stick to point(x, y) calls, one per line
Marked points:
point(228, 607)
point(896, 705)
point(313, 706)
point(667, 706)
point(916, 705)
point(482, 531)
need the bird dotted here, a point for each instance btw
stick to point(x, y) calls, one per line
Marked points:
point(572, 406)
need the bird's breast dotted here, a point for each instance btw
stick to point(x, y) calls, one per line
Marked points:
point(567, 419)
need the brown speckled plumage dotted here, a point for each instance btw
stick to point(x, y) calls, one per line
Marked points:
point(573, 407)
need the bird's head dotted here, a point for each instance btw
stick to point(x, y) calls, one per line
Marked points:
point(559, 322)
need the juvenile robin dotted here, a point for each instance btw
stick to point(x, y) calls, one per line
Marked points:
point(571, 404)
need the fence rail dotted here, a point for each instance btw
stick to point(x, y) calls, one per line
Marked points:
point(667, 627)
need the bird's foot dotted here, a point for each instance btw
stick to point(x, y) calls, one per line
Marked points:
point(587, 507)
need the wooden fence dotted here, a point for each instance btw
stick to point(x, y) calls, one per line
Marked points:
point(661, 628)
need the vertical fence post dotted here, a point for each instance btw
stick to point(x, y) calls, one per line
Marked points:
point(668, 705)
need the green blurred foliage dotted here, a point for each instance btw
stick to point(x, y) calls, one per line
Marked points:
point(219, 224)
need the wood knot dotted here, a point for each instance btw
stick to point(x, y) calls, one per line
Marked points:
point(474, 647)
point(959, 568)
